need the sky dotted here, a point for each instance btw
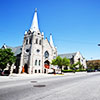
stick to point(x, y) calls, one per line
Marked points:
point(74, 24)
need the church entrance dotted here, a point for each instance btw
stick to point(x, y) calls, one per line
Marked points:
point(26, 68)
point(47, 64)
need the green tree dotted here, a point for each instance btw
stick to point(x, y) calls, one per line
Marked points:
point(54, 62)
point(66, 62)
point(6, 57)
point(81, 67)
point(60, 62)
point(73, 66)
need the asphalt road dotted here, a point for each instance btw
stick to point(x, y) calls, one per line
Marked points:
point(72, 87)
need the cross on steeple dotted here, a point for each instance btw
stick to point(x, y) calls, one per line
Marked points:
point(35, 9)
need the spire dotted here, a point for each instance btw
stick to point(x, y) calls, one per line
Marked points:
point(42, 33)
point(51, 41)
point(25, 32)
point(34, 26)
point(4, 46)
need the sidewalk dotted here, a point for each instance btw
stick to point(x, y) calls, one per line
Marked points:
point(13, 77)
point(31, 76)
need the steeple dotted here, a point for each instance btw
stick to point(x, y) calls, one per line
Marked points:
point(34, 26)
point(4, 46)
point(51, 41)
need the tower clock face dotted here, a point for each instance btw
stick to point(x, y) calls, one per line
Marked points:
point(46, 54)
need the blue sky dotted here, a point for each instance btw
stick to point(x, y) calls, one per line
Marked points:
point(74, 24)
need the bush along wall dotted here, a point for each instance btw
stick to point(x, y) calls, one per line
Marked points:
point(70, 70)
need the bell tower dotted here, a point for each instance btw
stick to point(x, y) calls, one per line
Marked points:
point(31, 57)
point(37, 52)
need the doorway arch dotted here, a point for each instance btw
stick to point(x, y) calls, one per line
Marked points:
point(26, 68)
point(47, 64)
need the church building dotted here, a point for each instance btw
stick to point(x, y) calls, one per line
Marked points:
point(37, 52)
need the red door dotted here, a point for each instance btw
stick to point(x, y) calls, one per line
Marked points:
point(46, 66)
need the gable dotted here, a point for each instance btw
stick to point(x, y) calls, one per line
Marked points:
point(67, 55)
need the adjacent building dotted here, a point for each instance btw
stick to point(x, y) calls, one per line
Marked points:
point(93, 65)
point(74, 58)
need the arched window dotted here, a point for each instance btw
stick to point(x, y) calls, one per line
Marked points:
point(39, 62)
point(35, 71)
point(39, 71)
point(26, 41)
point(36, 41)
point(40, 42)
point(30, 41)
point(35, 62)
point(46, 54)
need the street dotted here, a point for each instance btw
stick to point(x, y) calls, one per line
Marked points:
point(58, 87)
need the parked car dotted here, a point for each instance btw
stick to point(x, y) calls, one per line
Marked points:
point(1, 73)
point(4, 73)
point(98, 70)
point(90, 70)
point(50, 71)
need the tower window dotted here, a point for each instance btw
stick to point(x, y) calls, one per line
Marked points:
point(30, 41)
point(36, 41)
point(35, 62)
point(26, 41)
point(38, 50)
point(38, 33)
point(40, 42)
point(27, 50)
point(39, 62)
point(54, 52)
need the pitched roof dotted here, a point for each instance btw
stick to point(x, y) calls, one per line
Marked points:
point(67, 55)
point(16, 50)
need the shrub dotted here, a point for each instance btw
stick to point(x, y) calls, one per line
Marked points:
point(65, 71)
point(70, 70)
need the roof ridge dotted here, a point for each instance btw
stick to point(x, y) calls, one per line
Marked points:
point(68, 53)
